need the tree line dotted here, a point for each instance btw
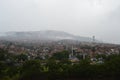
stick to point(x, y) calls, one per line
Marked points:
point(57, 67)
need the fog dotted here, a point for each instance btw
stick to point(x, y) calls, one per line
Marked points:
point(80, 17)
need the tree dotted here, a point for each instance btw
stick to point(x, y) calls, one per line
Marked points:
point(3, 55)
point(22, 57)
point(61, 55)
point(32, 70)
point(54, 69)
point(3, 68)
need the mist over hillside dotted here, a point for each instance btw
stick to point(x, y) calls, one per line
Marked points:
point(49, 35)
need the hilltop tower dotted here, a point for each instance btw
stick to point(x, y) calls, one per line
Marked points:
point(93, 39)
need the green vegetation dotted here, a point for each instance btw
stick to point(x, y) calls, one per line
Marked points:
point(61, 55)
point(58, 67)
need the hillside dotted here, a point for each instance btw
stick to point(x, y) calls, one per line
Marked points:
point(49, 35)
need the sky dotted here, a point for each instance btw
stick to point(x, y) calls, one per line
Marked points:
point(100, 18)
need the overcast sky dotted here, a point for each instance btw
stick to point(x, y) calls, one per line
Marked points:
point(80, 17)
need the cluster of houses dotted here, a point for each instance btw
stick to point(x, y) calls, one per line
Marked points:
point(43, 50)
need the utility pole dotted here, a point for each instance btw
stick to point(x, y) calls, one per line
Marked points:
point(93, 47)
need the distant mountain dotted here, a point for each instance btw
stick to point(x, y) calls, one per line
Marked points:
point(49, 35)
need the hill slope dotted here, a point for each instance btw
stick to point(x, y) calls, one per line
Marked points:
point(49, 35)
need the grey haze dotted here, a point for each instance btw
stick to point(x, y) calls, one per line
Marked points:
point(80, 17)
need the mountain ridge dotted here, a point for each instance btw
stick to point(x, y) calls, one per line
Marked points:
point(48, 35)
